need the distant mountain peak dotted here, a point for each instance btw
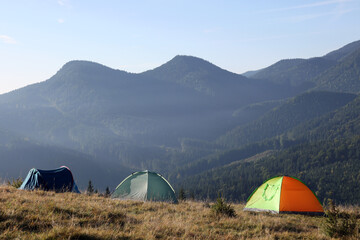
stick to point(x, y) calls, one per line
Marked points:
point(190, 62)
point(188, 58)
point(180, 56)
point(89, 68)
point(195, 73)
point(185, 64)
point(85, 74)
point(83, 65)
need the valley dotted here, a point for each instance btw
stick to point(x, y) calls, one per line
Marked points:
point(195, 123)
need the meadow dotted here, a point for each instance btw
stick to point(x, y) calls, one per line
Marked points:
point(49, 215)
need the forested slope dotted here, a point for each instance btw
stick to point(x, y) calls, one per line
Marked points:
point(323, 152)
point(294, 112)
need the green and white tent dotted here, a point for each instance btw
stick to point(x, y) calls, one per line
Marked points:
point(145, 186)
point(284, 194)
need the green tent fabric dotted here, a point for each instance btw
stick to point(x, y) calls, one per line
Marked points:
point(145, 186)
point(267, 196)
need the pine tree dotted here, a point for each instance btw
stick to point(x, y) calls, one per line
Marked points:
point(90, 188)
point(107, 192)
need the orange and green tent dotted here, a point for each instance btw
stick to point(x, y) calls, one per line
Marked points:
point(284, 195)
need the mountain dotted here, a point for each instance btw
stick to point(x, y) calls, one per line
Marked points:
point(339, 54)
point(120, 117)
point(195, 73)
point(294, 112)
point(305, 72)
point(249, 74)
point(188, 119)
point(135, 107)
point(280, 127)
point(322, 152)
point(295, 72)
point(204, 77)
point(272, 72)
point(344, 76)
point(201, 75)
point(344, 123)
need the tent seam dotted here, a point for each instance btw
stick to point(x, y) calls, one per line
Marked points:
point(282, 180)
point(147, 185)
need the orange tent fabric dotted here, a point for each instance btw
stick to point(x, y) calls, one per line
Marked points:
point(296, 196)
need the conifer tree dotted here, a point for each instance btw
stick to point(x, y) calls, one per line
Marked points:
point(107, 192)
point(90, 188)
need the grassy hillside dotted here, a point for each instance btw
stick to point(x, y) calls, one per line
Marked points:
point(46, 215)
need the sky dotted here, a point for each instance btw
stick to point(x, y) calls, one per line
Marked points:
point(37, 37)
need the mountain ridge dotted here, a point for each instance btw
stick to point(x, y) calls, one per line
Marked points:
point(304, 71)
point(342, 52)
point(344, 76)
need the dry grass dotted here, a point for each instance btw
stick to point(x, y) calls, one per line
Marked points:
point(46, 215)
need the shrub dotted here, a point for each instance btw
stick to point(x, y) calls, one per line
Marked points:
point(16, 183)
point(338, 224)
point(220, 208)
point(182, 195)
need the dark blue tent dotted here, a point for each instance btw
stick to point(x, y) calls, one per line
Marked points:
point(58, 180)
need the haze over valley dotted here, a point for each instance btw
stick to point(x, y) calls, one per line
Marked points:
point(206, 129)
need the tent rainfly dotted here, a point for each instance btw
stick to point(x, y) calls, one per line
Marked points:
point(145, 186)
point(58, 180)
point(284, 195)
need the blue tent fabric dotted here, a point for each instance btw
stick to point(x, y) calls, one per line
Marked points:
point(58, 180)
point(75, 189)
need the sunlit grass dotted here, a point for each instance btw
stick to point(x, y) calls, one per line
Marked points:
point(48, 215)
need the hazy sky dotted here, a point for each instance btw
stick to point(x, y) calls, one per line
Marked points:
point(37, 37)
